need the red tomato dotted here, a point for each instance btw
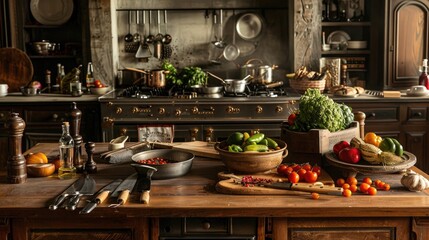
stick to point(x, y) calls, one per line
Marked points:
point(281, 169)
point(367, 180)
point(353, 188)
point(310, 177)
point(315, 196)
point(295, 167)
point(306, 166)
point(301, 172)
point(352, 181)
point(372, 191)
point(347, 193)
point(291, 119)
point(340, 146)
point(364, 187)
point(288, 171)
point(340, 182)
point(386, 187)
point(293, 177)
point(317, 170)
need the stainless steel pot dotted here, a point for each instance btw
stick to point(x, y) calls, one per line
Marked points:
point(235, 85)
point(262, 74)
point(207, 89)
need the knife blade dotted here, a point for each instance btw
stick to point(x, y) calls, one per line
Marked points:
point(71, 190)
point(305, 187)
point(88, 188)
point(143, 184)
point(100, 196)
point(122, 192)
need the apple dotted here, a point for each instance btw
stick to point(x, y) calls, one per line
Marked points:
point(350, 155)
point(35, 84)
point(340, 146)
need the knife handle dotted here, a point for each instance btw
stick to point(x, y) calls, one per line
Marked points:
point(74, 200)
point(145, 197)
point(57, 202)
point(102, 196)
point(123, 197)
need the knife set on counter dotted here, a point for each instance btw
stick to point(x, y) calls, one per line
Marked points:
point(85, 187)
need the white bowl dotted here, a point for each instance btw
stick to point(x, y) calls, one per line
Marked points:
point(99, 91)
point(357, 44)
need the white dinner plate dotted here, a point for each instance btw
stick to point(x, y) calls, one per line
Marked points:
point(51, 12)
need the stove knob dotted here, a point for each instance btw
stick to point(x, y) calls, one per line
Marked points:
point(194, 110)
point(135, 110)
point(118, 110)
point(279, 109)
point(161, 110)
point(109, 104)
point(259, 109)
point(178, 112)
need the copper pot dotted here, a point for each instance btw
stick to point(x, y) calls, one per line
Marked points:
point(157, 78)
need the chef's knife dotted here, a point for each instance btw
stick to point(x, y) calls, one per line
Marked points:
point(122, 192)
point(100, 196)
point(305, 187)
point(71, 190)
point(88, 188)
point(143, 184)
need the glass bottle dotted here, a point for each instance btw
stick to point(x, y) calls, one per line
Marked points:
point(89, 76)
point(424, 78)
point(66, 145)
point(48, 80)
point(58, 78)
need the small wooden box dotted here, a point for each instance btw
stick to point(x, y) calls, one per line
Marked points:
point(310, 146)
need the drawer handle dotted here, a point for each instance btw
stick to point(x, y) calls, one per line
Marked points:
point(371, 115)
point(54, 117)
point(418, 114)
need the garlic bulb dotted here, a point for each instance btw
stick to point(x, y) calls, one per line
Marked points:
point(414, 181)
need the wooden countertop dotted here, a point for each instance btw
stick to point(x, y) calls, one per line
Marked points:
point(194, 195)
point(46, 97)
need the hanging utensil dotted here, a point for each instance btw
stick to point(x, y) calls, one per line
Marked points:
point(136, 36)
point(144, 50)
point(158, 46)
point(129, 36)
point(159, 36)
point(150, 37)
point(231, 51)
point(167, 37)
point(220, 43)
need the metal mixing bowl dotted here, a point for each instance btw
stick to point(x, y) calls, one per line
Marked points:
point(180, 162)
point(30, 91)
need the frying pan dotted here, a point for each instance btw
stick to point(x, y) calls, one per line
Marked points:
point(16, 69)
point(250, 26)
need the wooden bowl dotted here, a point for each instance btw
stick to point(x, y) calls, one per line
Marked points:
point(251, 162)
point(40, 169)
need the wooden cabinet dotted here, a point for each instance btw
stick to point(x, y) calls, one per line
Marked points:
point(43, 122)
point(407, 41)
point(68, 42)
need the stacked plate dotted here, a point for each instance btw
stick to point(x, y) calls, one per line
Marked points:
point(51, 12)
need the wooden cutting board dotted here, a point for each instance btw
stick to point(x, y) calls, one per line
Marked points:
point(16, 69)
point(198, 148)
point(227, 185)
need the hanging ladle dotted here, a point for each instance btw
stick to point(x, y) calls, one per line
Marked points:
point(129, 37)
point(149, 39)
point(167, 37)
point(220, 43)
point(231, 51)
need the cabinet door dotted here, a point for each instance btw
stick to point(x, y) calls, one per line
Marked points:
point(407, 41)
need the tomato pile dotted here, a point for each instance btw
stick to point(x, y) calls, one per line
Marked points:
point(154, 161)
point(299, 172)
point(366, 186)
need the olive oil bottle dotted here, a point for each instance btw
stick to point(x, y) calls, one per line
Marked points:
point(66, 145)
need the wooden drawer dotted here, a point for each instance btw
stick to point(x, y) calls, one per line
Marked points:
point(385, 114)
point(416, 114)
point(48, 117)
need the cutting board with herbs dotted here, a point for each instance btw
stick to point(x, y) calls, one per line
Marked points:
point(229, 184)
point(198, 148)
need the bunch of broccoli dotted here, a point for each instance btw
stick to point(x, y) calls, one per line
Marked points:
point(317, 111)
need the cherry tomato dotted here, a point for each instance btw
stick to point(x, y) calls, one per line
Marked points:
point(367, 180)
point(386, 187)
point(281, 169)
point(347, 193)
point(315, 196)
point(352, 181)
point(293, 177)
point(310, 177)
point(340, 182)
point(380, 184)
point(364, 187)
point(301, 172)
point(376, 182)
point(288, 171)
point(353, 188)
point(306, 166)
point(346, 186)
point(317, 170)
point(295, 167)
point(372, 191)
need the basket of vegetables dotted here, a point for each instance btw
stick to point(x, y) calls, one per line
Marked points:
point(242, 153)
point(316, 126)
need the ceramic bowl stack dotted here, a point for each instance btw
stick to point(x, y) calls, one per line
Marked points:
point(3, 90)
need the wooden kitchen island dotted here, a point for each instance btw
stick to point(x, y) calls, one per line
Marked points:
point(24, 213)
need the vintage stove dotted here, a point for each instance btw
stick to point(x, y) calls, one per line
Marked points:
point(195, 116)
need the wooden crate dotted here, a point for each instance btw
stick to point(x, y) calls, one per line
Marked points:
point(310, 146)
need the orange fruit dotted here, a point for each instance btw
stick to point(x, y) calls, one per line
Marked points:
point(35, 158)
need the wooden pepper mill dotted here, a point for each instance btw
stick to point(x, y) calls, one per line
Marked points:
point(76, 116)
point(90, 165)
point(16, 169)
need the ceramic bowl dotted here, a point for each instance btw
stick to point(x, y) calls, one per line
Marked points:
point(357, 44)
point(100, 90)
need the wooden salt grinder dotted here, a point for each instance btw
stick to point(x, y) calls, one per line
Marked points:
point(16, 169)
point(90, 165)
point(76, 116)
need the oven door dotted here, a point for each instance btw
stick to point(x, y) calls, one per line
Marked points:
point(208, 228)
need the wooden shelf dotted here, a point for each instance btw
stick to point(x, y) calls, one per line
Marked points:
point(346, 24)
point(346, 52)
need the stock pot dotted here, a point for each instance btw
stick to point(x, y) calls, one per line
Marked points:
point(151, 78)
point(262, 74)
